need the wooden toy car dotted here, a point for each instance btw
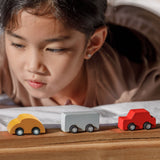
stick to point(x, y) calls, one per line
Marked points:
point(25, 124)
point(137, 119)
point(79, 121)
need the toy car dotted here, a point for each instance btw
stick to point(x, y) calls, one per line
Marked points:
point(137, 119)
point(79, 121)
point(25, 124)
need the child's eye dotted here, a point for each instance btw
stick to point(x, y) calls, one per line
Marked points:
point(54, 50)
point(17, 45)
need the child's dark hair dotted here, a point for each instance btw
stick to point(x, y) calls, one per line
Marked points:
point(82, 15)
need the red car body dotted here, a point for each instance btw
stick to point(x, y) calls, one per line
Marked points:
point(138, 118)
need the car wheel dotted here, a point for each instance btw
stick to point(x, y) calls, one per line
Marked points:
point(89, 128)
point(131, 127)
point(36, 131)
point(73, 129)
point(19, 131)
point(147, 125)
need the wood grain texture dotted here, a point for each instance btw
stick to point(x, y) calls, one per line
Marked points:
point(109, 143)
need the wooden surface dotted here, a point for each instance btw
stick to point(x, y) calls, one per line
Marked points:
point(109, 143)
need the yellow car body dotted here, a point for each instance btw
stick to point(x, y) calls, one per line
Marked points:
point(27, 123)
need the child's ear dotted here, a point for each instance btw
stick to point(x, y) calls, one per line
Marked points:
point(95, 42)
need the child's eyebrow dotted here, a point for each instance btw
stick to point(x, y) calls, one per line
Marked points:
point(15, 35)
point(61, 38)
point(58, 39)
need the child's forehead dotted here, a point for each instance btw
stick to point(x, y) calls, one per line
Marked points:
point(45, 28)
point(41, 8)
point(25, 18)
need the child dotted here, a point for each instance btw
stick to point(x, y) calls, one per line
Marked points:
point(53, 53)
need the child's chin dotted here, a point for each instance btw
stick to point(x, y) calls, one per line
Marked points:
point(39, 95)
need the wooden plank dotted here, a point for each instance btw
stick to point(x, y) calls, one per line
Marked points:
point(55, 136)
point(109, 142)
point(111, 150)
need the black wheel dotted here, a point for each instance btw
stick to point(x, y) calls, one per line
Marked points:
point(131, 127)
point(19, 131)
point(36, 131)
point(147, 125)
point(73, 129)
point(89, 128)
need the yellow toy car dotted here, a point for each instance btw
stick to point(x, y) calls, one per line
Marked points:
point(25, 124)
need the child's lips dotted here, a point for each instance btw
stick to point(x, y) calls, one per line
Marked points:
point(36, 84)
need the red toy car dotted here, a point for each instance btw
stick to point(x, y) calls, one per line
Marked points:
point(137, 119)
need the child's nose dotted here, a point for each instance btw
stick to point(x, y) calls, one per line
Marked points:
point(35, 64)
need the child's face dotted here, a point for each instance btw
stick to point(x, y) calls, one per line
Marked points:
point(45, 55)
